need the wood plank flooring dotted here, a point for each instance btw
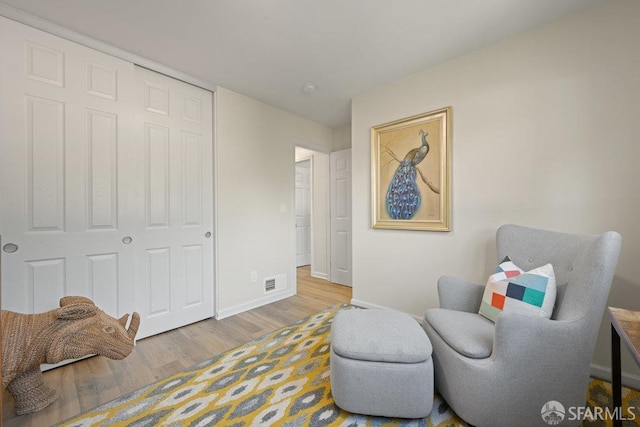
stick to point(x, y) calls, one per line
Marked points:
point(88, 383)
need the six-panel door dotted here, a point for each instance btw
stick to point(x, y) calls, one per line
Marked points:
point(65, 173)
point(175, 256)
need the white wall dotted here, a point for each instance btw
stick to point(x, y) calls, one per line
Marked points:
point(546, 133)
point(342, 138)
point(319, 210)
point(254, 177)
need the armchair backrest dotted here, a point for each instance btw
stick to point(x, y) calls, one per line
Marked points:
point(584, 266)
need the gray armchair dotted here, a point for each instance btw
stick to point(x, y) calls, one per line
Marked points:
point(502, 374)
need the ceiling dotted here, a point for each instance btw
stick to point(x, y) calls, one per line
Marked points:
point(269, 49)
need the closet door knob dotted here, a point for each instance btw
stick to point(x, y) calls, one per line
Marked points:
point(126, 240)
point(207, 234)
point(10, 248)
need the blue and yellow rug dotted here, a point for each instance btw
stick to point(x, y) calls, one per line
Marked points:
point(280, 379)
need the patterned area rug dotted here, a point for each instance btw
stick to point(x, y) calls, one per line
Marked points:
point(280, 379)
point(599, 396)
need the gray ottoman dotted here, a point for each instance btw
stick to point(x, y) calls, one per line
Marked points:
point(381, 364)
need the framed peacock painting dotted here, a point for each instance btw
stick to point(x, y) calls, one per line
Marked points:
point(411, 172)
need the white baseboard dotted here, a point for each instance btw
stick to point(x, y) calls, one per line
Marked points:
point(603, 372)
point(365, 304)
point(268, 299)
point(318, 275)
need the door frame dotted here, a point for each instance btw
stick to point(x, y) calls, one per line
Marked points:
point(320, 150)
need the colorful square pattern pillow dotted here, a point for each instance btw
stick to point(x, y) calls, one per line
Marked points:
point(511, 289)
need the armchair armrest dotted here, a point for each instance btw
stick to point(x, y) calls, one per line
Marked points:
point(543, 337)
point(460, 295)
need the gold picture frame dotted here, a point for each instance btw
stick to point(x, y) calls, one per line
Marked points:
point(411, 172)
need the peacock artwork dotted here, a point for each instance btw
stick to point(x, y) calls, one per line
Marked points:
point(411, 174)
point(403, 195)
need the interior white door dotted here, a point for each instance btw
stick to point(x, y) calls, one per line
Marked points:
point(175, 255)
point(66, 166)
point(340, 172)
point(303, 213)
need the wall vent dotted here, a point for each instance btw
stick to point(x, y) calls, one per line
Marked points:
point(270, 284)
point(275, 283)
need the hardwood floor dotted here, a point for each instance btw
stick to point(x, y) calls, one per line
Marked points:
point(88, 383)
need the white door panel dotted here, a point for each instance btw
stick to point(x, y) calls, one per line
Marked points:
point(340, 171)
point(174, 121)
point(65, 172)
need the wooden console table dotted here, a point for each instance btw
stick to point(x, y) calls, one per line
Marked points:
point(625, 324)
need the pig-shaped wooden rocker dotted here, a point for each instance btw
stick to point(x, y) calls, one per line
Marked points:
point(77, 329)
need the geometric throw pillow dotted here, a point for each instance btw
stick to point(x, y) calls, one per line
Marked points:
point(511, 289)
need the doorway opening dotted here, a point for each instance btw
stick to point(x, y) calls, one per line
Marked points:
point(303, 212)
point(312, 214)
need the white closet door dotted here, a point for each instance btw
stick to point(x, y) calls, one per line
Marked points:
point(175, 258)
point(66, 164)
